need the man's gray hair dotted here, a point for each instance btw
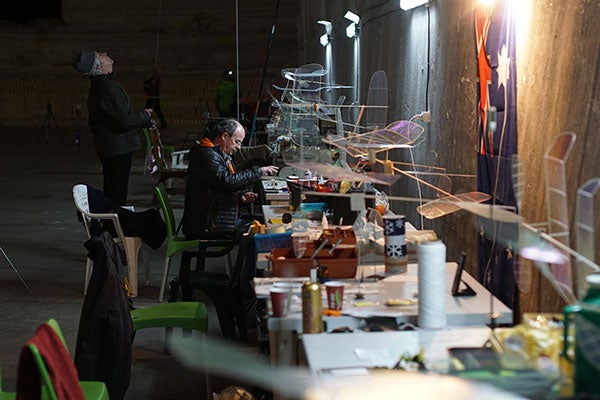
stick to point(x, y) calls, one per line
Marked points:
point(228, 125)
point(96, 67)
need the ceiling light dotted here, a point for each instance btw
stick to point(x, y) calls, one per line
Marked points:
point(408, 4)
point(351, 30)
point(350, 16)
point(327, 24)
point(324, 39)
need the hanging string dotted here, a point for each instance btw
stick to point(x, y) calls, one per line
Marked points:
point(262, 80)
point(237, 61)
point(157, 35)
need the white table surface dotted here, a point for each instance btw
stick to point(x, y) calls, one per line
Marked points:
point(344, 354)
point(461, 311)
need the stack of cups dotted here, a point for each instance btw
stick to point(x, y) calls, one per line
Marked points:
point(299, 240)
point(432, 285)
point(396, 256)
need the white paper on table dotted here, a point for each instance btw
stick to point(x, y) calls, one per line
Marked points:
point(376, 357)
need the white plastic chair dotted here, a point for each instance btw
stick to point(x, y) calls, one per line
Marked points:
point(179, 159)
point(131, 244)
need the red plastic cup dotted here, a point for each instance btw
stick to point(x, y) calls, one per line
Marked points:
point(335, 295)
point(280, 301)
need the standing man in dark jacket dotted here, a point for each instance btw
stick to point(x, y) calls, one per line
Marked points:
point(214, 189)
point(112, 121)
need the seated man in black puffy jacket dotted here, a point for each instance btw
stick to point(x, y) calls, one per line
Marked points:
point(214, 188)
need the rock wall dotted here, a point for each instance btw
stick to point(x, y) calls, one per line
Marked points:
point(429, 57)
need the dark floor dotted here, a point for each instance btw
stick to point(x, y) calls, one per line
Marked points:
point(42, 237)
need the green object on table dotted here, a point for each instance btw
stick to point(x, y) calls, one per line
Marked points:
point(586, 363)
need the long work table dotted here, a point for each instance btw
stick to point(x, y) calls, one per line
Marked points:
point(351, 354)
point(469, 311)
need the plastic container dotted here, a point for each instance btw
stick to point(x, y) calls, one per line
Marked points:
point(266, 242)
point(586, 365)
point(313, 211)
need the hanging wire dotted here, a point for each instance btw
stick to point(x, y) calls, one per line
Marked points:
point(237, 60)
point(262, 80)
point(157, 35)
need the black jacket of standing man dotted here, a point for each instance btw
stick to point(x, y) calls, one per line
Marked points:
point(112, 121)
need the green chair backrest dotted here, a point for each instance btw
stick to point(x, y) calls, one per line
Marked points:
point(92, 390)
point(165, 204)
point(41, 365)
point(54, 325)
point(47, 385)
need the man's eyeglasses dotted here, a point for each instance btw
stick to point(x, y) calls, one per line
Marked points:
point(236, 141)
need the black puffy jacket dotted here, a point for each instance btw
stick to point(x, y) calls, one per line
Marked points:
point(213, 193)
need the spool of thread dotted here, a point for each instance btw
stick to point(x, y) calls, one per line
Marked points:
point(432, 285)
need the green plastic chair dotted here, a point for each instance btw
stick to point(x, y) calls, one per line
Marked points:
point(6, 395)
point(174, 243)
point(188, 315)
point(91, 389)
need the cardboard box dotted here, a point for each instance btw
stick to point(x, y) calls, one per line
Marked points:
point(341, 264)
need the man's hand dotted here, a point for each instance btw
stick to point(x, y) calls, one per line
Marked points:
point(249, 197)
point(269, 170)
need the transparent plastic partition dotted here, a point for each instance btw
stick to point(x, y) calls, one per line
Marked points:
point(556, 198)
point(586, 235)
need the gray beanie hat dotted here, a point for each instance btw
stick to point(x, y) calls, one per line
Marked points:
point(84, 61)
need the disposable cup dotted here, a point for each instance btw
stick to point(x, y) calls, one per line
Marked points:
point(280, 301)
point(299, 240)
point(291, 179)
point(335, 294)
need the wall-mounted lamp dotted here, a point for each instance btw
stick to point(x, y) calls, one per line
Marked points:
point(353, 28)
point(324, 39)
point(408, 4)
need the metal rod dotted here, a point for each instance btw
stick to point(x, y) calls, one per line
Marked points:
point(16, 271)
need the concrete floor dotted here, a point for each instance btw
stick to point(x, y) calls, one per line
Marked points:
point(43, 239)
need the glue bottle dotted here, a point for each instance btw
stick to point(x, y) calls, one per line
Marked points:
point(312, 318)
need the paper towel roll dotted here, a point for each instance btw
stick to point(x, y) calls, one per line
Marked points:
point(432, 285)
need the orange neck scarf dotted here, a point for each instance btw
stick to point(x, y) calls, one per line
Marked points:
point(208, 143)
